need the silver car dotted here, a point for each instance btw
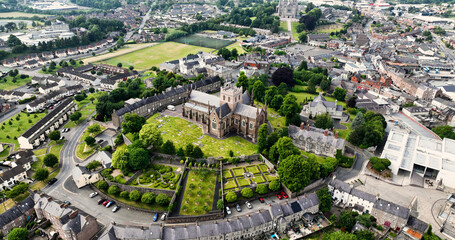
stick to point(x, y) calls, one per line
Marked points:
point(228, 211)
point(116, 208)
point(248, 205)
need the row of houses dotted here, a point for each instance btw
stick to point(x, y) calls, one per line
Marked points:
point(149, 106)
point(12, 172)
point(52, 97)
point(33, 60)
point(253, 225)
point(52, 121)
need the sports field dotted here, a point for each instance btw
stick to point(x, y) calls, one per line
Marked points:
point(20, 14)
point(153, 56)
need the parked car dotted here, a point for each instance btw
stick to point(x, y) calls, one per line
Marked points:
point(62, 137)
point(116, 208)
point(155, 218)
point(279, 196)
point(105, 202)
point(93, 194)
point(171, 107)
point(163, 217)
point(228, 211)
point(261, 200)
point(239, 209)
point(66, 202)
point(110, 204)
point(101, 200)
point(52, 181)
point(51, 107)
point(248, 205)
point(100, 141)
point(284, 195)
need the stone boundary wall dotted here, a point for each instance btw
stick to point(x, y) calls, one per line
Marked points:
point(121, 204)
point(133, 177)
point(174, 197)
point(188, 219)
point(128, 188)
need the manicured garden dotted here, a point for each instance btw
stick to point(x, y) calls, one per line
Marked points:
point(181, 132)
point(237, 177)
point(159, 176)
point(12, 128)
point(199, 192)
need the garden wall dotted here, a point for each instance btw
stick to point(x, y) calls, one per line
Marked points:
point(206, 217)
point(267, 162)
point(128, 188)
point(254, 157)
point(310, 188)
point(126, 140)
point(133, 177)
point(121, 204)
point(174, 197)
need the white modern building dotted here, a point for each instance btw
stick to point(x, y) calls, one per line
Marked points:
point(421, 157)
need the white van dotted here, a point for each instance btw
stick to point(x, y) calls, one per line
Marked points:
point(171, 107)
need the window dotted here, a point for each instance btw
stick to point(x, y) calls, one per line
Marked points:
point(236, 121)
point(243, 123)
point(229, 99)
point(224, 97)
point(251, 125)
point(214, 124)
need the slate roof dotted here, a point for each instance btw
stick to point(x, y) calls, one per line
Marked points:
point(7, 175)
point(16, 211)
point(449, 88)
point(392, 208)
point(224, 110)
point(295, 206)
point(308, 201)
point(340, 185)
point(205, 98)
point(246, 110)
point(417, 224)
point(84, 68)
point(246, 98)
point(363, 195)
point(46, 118)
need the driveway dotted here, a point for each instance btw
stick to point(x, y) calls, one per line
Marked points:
point(107, 136)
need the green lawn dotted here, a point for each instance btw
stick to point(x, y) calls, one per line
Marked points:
point(302, 95)
point(294, 30)
point(230, 184)
point(258, 179)
point(17, 127)
point(264, 168)
point(238, 171)
point(283, 26)
point(9, 203)
point(252, 169)
point(5, 152)
point(83, 152)
point(9, 84)
point(227, 173)
point(56, 150)
point(153, 56)
point(329, 28)
point(40, 151)
point(243, 182)
point(201, 195)
point(182, 132)
point(344, 133)
point(270, 178)
point(273, 116)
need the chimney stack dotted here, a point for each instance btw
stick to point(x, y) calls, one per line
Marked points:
point(336, 135)
point(73, 214)
point(325, 132)
point(301, 126)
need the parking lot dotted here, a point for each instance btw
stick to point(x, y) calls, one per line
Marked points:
point(256, 206)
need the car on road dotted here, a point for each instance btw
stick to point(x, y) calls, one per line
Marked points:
point(100, 141)
point(116, 208)
point(101, 200)
point(239, 209)
point(93, 194)
point(62, 137)
point(163, 217)
point(51, 107)
point(284, 195)
point(171, 107)
point(228, 211)
point(261, 200)
point(52, 181)
point(155, 218)
point(279, 196)
point(248, 205)
point(105, 202)
point(110, 204)
point(66, 202)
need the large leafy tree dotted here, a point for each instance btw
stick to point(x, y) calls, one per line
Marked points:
point(258, 90)
point(339, 94)
point(290, 109)
point(294, 172)
point(325, 199)
point(262, 137)
point(274, 185)
point(347, 221)
point(445, 131)
point(50, 160)
point(120, 158)
point(283, 75)
point(168, 147)
point(133, 123)
point(358, 121)
point(282, 149)
point(138, 158)
point(54, 135)
point(231, 197)
point(150, 136)
point(247, 192)
point(323, 121)
point(18, 234)
point(41, 174)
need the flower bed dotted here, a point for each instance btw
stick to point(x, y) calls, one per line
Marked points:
point(258, 179)
point(230, 184)
point(252, 169)
point(227, 173)
point(239, 171)
point(264, 168)
point(243, 182)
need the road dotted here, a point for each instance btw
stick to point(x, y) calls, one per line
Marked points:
point(289, 24)
point(13, 112)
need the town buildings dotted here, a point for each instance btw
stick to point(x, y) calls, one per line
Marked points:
point(288, 9)
point(320, 105)
point(17, 216)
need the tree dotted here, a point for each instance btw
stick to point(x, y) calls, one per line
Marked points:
point(219, 204)
point(339, 235)
point(351, 102)
point(339, 94)
point(135, 195)
point(358, 121)
point(325, 199)
point(75, 116)
point(247, 192)
point(89, 140)
point(258, 90)
point(445, 131)
point(162, 199)
point(290, 109)
point(347, 221)
point(119, 64)
point(365, 235)
point(50, 160)
point(284, 147)
point(133, 123)
point(294, 172)
point(18, 234)
point(124, 194)
point(261, 189)
point(150, 136)
point(262, 137)
point(168, 148)
point(120, 158)
point(93, 165)
point(138, 158)
point(131, 68)
point(94, 128)
point(323, 121)
point(189, 149)
point(274, 185)
point(283, 75)
point(113, 190)
point(13, 41)
point(429, 235)
point(148, 197)
point(41, 174)
point(102, 185)
point(325, 85)
point(54, 135)
point(303, 66)
point(380, 164)
point(303, 37)
point(197, 152)
point(231, 197)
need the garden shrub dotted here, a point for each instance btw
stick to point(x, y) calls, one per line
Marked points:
point(176, 178)
point(119, 179)
point(135, 195)
point(379, 164)
point(164, 184)
point(113, 190)
point(172, 186)
point(344, 161)
point(124, 194)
